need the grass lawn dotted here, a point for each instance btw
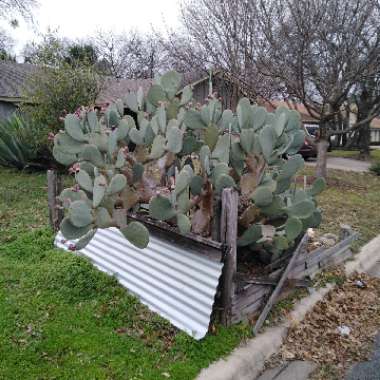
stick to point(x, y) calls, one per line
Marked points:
point(62, 319)
point(352, 198)
point(375, 154)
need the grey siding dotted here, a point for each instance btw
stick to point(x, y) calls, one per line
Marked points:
point(6, 109)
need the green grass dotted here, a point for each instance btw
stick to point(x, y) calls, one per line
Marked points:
point(62, 319)
point(352, 198)
point(375, 154)
point(23, 203)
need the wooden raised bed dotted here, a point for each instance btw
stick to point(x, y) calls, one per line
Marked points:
point(239, 295)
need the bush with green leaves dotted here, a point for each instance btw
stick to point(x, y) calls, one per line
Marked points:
point(51, 92)
point(375, 168)
point(210, 149)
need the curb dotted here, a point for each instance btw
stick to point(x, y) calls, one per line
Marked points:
point(367, 258)
point(247, 362)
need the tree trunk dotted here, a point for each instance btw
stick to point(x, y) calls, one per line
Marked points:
point(321, 168)
point(352, 140)
point(365, 141)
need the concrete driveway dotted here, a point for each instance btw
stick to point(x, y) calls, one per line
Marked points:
point(343, 164)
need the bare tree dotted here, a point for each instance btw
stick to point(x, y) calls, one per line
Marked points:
point(51, 50)
point(315, 51)
point(11, 8)
point(128, 55)
point(219, 35)
point(6, 42)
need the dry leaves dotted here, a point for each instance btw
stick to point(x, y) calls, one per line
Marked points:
point(317, 338)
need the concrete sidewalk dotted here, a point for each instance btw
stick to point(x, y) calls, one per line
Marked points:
point(344, 164)
point(295, 370)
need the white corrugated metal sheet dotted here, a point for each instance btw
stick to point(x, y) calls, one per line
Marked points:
point(178, 284)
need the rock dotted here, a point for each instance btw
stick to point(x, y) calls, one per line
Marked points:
point(329, 239)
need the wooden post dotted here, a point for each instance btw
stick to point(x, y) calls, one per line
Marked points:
point(54, 184)
point(215, 224)
point(228, 234)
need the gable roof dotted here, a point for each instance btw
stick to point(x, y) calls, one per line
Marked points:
point(113, 89)
point(13, 77)
point(304, 113)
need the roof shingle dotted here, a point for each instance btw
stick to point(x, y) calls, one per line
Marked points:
point(13, 78)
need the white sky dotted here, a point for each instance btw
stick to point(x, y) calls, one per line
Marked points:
point(77, 19)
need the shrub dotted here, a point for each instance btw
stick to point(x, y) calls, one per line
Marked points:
point(54, 91)
point(375, 168)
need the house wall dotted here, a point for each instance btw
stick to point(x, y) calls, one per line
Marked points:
point(6, 109)
point(200, 92)
point(375, 136)
point(223, 89)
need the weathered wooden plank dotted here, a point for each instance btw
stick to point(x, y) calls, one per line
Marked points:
point(277, 290)
point(323, 258)
point(251, 296)
point(323, 252)
point(239, 314)
point(301, 271)
point(215, 223)
point(297, 283)
point(204, 247)
point(228, 235)
point(255, 292)
point(54, 185)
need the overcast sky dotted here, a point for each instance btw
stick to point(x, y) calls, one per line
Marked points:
point(77, 19)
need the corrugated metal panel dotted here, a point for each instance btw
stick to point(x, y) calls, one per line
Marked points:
point(178, 284)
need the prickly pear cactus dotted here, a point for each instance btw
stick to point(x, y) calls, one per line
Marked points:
point(184, 156)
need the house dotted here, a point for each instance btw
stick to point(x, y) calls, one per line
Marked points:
point(309, 120)
point(375, 131)
point(306, 118)
point(222, 84)
point(13, 77)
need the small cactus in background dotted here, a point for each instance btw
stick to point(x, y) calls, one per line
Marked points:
point(245, 151)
